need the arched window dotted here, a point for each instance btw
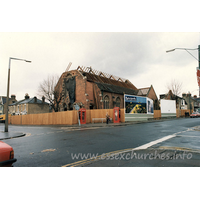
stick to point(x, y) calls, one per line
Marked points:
point(118, 102)
point(106, 102)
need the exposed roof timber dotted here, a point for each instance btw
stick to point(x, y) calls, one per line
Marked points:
point(98, 73)
point(79, 68)
point(102, 77)
point(112, 77)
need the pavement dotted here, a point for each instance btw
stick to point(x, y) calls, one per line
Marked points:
point(10, 135)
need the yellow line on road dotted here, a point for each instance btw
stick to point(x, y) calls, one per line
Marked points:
point(177, 148)
point(81, 162)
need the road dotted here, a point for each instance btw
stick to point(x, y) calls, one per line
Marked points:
point(54, 146)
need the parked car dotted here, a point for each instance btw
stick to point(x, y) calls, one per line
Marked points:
point(2, 118)
point(194, 114)
point(6, 155)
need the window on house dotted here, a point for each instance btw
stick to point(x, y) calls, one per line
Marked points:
point(106, 102)
point(118, 102)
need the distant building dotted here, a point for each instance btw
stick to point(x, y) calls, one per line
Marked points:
point(193, 103)
point(184, 102)
point(94, 89)
point(29, 106)
point(3, 103)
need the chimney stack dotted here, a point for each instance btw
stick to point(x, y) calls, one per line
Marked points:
point(183, 95)
point(43, 99)
point(27, 96)
point(13, 97)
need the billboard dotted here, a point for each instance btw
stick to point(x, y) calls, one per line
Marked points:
point(136, 104)
point(168, 106)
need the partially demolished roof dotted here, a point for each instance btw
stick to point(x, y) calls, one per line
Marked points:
point(101, 77)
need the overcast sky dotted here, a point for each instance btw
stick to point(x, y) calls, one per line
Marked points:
point(138, 56)
point(128, 40)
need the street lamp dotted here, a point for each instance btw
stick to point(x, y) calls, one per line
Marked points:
point(191, 55)
point(7, 98)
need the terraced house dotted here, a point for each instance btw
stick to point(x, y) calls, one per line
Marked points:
point(93, 89)
point(29, 106)
point(3, 103)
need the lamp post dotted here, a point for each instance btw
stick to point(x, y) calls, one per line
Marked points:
point(191, 55)
point(8, 86)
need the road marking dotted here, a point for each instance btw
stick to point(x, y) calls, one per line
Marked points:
point(145, 146)
point(81, 162)
point(179, 149)
point(142, 147)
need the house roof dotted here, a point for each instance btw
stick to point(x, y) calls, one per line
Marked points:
point(28, 101)
point(4, 99)
point(143, 91)
point(115, 89)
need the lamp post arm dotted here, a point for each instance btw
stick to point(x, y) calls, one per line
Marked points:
point(186, 49)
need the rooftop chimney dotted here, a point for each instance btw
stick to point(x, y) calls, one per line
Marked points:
point(43, 99)
point(183, 95)
point(13, 97)
point(27, 96)
point(35, 99)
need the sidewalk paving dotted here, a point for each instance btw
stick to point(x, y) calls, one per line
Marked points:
point(10, 135)
point(148, 158)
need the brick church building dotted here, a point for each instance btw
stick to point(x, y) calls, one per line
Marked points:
point(92, 89)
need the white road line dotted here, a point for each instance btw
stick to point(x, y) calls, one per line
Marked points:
point(145, 146)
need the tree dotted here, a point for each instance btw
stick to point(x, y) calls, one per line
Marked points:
point(175, 87)
point(48, 89)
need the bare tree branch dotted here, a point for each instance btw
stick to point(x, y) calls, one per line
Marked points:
point(48, 89)
point(175, 87)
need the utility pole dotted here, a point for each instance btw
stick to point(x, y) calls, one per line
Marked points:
point(198, 68)
point(199, 64)
point(8, 86)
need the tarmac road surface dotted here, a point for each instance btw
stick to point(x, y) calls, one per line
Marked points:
point(159, 142)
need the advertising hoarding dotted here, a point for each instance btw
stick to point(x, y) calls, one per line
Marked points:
point(137, 104)
point(168, 106)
